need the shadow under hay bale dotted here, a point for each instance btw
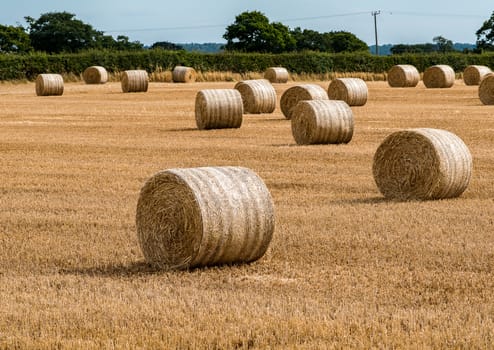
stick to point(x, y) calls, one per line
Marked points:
point(135, 81)
point(322, 122)
point(197, 217)
point(303, 92)
point(218, 109)
point(49, 85)
point(258, 96)
point(276, 75)
point(353, 91)
point(422, 164)
point(403, 75)
point(95, 75)
point(439, 77)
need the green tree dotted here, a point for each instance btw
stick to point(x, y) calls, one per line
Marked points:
point(485, 35)
point(342, 41)
point(252, 32)
point(14, 40)
point(311, 40)
point(443, 44)
point(166, 45)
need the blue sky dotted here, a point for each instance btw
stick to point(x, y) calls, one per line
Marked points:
point(201, 21)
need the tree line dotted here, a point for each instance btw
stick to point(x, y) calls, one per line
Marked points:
point(57, 32)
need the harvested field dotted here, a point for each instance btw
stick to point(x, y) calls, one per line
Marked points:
point(346, 268)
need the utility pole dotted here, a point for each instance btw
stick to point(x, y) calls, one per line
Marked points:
point(375, 13)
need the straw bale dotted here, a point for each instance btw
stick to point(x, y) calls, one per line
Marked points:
point(473, 74)
point(422, 164)
point(322, 122)
point(439, 76)
point(486, 89)
point(353, 91)
point(403, 75)
point(276, 75)
point(135, 81)
point(95, 75)
point(194, 217)
point(303, 92)
point(181, 74)
point(49, 85)
point(258, 96)
point(218, 109)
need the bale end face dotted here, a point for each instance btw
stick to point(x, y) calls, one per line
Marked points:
point(486, 89)
point(276, 75)
point(353, 91)
point(95, 75)
point(258, 96)
point(403, 75)
point(303, 92)
point(181, 74)
point(473, 74)
point(439, 77)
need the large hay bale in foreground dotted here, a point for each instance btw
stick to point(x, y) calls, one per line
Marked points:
point(303, 92)
point(218, 109)
point(204, 216)
point(49, 85)
point(181, 74)
point(403, 75)
point(276, 75)
point(353, 91)
point(322, 122)
point(95, 75)
point(473, 74)
point(135, 81)
point(439, 76)
point(422, 164)
point(258, 96)
point(486, 89)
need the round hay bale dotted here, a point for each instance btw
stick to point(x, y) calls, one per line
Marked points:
point(403, 75)
point(303, 92)
point(439, 76)
point(422, 164)
point(322, 122)
point(276, 75)
point(49, 85)
point(473, 74)
point(218, 109)
point(258, 96)
point(206, 216)
point(181, 74)
point(353, 91)
point(95, 75)
point(486, 89)
point(135, 81)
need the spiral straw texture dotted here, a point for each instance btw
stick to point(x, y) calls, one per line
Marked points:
point(181, 74)
point(403, 75)
point(218, 108)
point(422, 164)
point(353, 91)
point(276, 75)
point(95, 75)
point(258, 96)
point(486, 89)
point(322, 122)
point(439, 76)
point(135, 81)
point(473, 74)
point(303, 92)
point(49, 85)
point(197, 217)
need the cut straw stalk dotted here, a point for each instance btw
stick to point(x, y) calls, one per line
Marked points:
point(422, 164)
point(322, 122)
point(218, 109)
point(303, 92)
point(204, 216)
point(258, 96)
point(403, 75)
point(49, 85)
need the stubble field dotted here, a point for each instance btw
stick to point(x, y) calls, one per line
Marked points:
point(345, 269)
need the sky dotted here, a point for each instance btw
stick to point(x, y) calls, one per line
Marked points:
point(203, 21)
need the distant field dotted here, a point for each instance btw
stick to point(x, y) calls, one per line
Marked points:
point(345, 269)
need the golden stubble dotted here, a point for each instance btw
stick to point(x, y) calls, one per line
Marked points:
point(346, 268)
